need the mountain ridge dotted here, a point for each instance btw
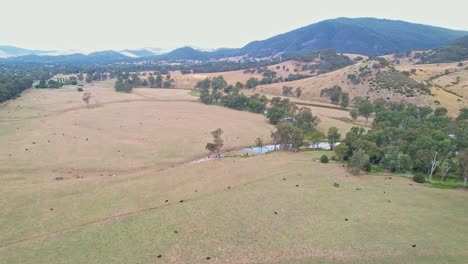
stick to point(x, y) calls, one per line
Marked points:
point(366, 36)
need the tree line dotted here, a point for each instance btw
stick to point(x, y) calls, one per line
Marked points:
point(407, 138)
point(127, 81)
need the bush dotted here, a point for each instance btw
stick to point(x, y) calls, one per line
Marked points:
point(324, 159)
point(80, 89)
point(419, 177)
point(367, 167)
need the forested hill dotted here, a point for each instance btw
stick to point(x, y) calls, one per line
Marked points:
point(367, 36)
point(452, 52)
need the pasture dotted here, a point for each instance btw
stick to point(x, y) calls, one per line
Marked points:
point(110, 184)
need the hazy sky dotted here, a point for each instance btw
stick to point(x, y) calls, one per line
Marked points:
point(118, 24)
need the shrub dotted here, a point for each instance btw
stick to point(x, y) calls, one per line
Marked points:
point(367, 167)
point(324, 159)
point(80, 89)
point(419, 177)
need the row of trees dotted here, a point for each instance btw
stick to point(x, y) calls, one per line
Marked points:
point(126, 81)
point(336, 95)
point(216, 91)
point(407, 138)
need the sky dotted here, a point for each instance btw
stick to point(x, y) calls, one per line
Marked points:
point(117, 24)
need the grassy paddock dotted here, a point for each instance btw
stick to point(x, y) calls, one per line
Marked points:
point(127, 196)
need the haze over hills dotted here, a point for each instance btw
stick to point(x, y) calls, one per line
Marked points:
point(11, 51)
point(366, 36)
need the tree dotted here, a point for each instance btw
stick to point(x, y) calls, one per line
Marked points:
point(357, 161)
point(259, 144)
point(365, 109)
point(288, 136)
point(344, 100)
point(151, 80)
point(463, 162)
point(206, 97)
point(239, 85)
point(287, 90)
point(305, 120)
point(89, 77)
point(167, 83)
point(333, 92)
point(333, 136)
point(298, 92)
point(392, 158)
point(218, 83)
point(217, 144)
point(342, 151)
point(440, 111)
point(73, 81)
point(159, 80)
point(447, 166)
point(424, 112)
point(354, 114)
point(228, 89)
point(463, 114)
point(252, 83)
point(275, 114)
point(204, 84)
point(122, 86)
point(406, 163)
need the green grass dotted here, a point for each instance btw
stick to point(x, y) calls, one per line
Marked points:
point(445, 185)
point(194, 92)
point(449, 183)
point(378, 169)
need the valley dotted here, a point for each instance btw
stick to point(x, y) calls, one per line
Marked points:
point(152, 155)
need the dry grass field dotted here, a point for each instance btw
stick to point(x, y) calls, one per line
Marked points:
point(188, 81)
point(450, 83)
point(276, 208)
point(111, 184)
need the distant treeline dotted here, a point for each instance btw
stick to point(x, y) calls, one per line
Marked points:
point(17, 75)
point(11, 85)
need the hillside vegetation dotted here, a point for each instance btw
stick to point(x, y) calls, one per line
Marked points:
point(452, 52)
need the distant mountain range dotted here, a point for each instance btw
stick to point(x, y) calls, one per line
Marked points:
point(10, 51)
point(366, 36)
